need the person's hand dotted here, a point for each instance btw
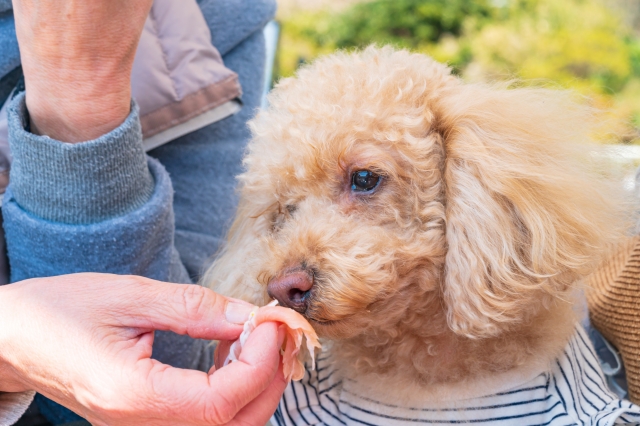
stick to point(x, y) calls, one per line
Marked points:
point(77, 57)
point(85, 341)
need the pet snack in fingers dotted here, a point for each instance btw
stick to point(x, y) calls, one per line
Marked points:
point(296, 328)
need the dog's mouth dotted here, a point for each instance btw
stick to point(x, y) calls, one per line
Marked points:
point(313, 313)
point(323, 323)
point(335, 327)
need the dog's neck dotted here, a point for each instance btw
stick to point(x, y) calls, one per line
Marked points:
point(422, 358)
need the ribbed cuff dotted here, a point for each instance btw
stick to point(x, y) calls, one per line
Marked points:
point(13, 406)
point(79, 183)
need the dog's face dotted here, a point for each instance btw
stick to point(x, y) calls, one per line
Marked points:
point(356, 221)
point(354, 231)
point(382, 190)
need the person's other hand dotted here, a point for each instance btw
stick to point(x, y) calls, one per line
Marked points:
point(77, 58)
point(85, 341)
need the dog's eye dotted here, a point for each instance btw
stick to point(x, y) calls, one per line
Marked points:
point(364, 181)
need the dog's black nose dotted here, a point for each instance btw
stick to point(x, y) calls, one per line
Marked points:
point(292, 289)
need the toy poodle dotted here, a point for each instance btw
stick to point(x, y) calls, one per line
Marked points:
point(432, 232)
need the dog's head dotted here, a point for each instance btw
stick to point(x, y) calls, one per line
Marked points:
point(380, 189)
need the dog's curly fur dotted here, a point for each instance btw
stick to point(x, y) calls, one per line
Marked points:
point(460, 264)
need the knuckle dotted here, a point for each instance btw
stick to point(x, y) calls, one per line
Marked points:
point(194, 300)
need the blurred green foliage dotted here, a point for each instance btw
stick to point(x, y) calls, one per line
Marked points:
point(580, 44)
point(406, 23)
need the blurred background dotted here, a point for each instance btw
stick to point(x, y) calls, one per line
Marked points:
point(590, 46)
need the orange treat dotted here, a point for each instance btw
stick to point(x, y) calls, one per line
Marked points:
point(296, 328)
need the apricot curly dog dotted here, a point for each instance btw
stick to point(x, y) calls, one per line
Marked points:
point(431, 231)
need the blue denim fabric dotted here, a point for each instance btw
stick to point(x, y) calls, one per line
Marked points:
point(55, 413)
point(5, 5)
point(9, 52)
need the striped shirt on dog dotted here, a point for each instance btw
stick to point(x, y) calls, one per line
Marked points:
point(573, 392)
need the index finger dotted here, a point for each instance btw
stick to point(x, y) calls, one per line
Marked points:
point(196, 397)
point(182, 308)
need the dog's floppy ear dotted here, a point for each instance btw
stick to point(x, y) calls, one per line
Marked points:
point(526, 215)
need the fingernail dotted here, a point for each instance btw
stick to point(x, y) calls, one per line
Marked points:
point(237, 313)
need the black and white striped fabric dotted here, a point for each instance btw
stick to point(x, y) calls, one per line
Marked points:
point(573, 392)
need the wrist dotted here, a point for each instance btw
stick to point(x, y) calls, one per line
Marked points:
point(77, 111)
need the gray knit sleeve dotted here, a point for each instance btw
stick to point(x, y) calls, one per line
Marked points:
point(52, 179)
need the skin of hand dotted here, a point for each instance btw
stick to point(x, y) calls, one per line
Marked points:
point(85, 341)
point(77, 57)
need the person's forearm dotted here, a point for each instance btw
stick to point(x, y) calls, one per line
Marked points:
point(77, 58)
